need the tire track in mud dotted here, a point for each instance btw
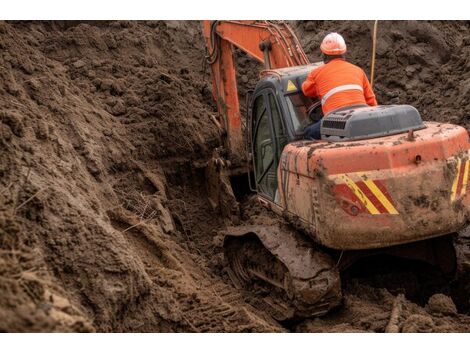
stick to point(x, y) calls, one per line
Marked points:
point(200, 302)
point(229, 309)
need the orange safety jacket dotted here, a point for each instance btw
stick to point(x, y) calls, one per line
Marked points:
point(339, 83)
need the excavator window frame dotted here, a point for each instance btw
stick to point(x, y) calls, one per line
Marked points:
point(267, 92)
point(282, 100)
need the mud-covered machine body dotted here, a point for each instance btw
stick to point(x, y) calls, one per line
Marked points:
point(381, 181)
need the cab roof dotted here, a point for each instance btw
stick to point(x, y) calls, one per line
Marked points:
point(290, 78)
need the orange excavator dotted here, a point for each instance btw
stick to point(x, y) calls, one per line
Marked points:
point(381, 181)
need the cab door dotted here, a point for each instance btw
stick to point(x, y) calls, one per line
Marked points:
point(268, 140)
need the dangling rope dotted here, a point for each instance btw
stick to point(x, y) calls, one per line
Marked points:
point(374, 45)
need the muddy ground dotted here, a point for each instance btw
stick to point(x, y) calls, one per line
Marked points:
point(104, 131)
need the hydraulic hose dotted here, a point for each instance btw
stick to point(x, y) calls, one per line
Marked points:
point(374, 46)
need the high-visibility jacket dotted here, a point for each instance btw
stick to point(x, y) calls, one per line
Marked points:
point(338, 84)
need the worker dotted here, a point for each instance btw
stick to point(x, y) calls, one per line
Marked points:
point(337, 83)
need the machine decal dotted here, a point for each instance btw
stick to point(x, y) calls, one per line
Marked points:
point(459, 186)
point(380, 192)
point(291, 86)
point(372, 194)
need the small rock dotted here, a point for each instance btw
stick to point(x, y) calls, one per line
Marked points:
point(106, 84)
point(396, 34)
point(441, 304)
point(166, 221)
point(110, 101)
point(110, 42)
point(466, 40)
point(383, 47)
point(117, 88)
point(79, 64)
point(3, 28)
point(5, 135)
point(455, 120)
point(33, 84)
point(42, 130)
point(410, 69)
point(310, 26)
point(28, 148)
point(166, 78)
point(27, 67)
point(91, 74)
point(392, 94)
point(13, 120)
point(218, 240)
point(426, 77)
point(408, 87)
point(96, 62)
point(132, 99)
point(119, 108)
point(13, 88)
point(93, 169)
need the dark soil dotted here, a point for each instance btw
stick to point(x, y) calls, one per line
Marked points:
point(105, 128)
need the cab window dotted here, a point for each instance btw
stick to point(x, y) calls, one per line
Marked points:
point(298, 105)
point(278, 126)
point(264, 149)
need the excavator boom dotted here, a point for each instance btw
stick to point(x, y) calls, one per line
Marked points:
point(273, 44)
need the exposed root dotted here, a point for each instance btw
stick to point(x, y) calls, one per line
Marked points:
point(392, 326)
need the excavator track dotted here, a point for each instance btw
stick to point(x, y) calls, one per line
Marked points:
point(292, 277)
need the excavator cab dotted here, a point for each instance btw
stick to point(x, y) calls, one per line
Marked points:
point(279, 114)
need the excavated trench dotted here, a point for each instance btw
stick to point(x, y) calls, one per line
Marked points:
point(104, 222)
point(417, 280)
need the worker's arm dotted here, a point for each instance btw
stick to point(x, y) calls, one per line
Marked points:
point(309, 87)
point(368, 92)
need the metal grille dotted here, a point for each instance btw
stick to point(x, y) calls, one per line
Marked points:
point(335, 124)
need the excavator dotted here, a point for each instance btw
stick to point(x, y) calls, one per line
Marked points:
point(381, 181)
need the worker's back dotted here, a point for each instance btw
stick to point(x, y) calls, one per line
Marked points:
point(339, 83)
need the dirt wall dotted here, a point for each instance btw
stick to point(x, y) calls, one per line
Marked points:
point(104, 126)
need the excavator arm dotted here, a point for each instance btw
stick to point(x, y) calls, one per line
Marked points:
point(273, 44)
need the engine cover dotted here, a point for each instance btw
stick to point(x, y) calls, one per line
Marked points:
point(369, 122)
point(380, 192)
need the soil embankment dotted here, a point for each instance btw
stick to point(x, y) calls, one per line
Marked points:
point(104, 126)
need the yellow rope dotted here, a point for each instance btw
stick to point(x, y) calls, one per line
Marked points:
point(374, 45)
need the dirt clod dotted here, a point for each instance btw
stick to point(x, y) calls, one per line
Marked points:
point(441, 304)
point(418, 323)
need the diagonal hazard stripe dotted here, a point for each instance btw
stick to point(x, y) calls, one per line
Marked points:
point(465, 178)
point(456, 181)
point(360, 195)
point(371, 197)
point(379, 194)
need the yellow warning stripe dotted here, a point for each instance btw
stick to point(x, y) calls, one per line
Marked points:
point(360, 195)
point(379, 194)
point(456, 181)
point(465, 179)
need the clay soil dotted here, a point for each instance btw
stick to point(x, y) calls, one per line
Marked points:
point(105, 128)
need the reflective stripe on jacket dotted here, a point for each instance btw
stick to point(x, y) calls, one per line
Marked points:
point(338, 84)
